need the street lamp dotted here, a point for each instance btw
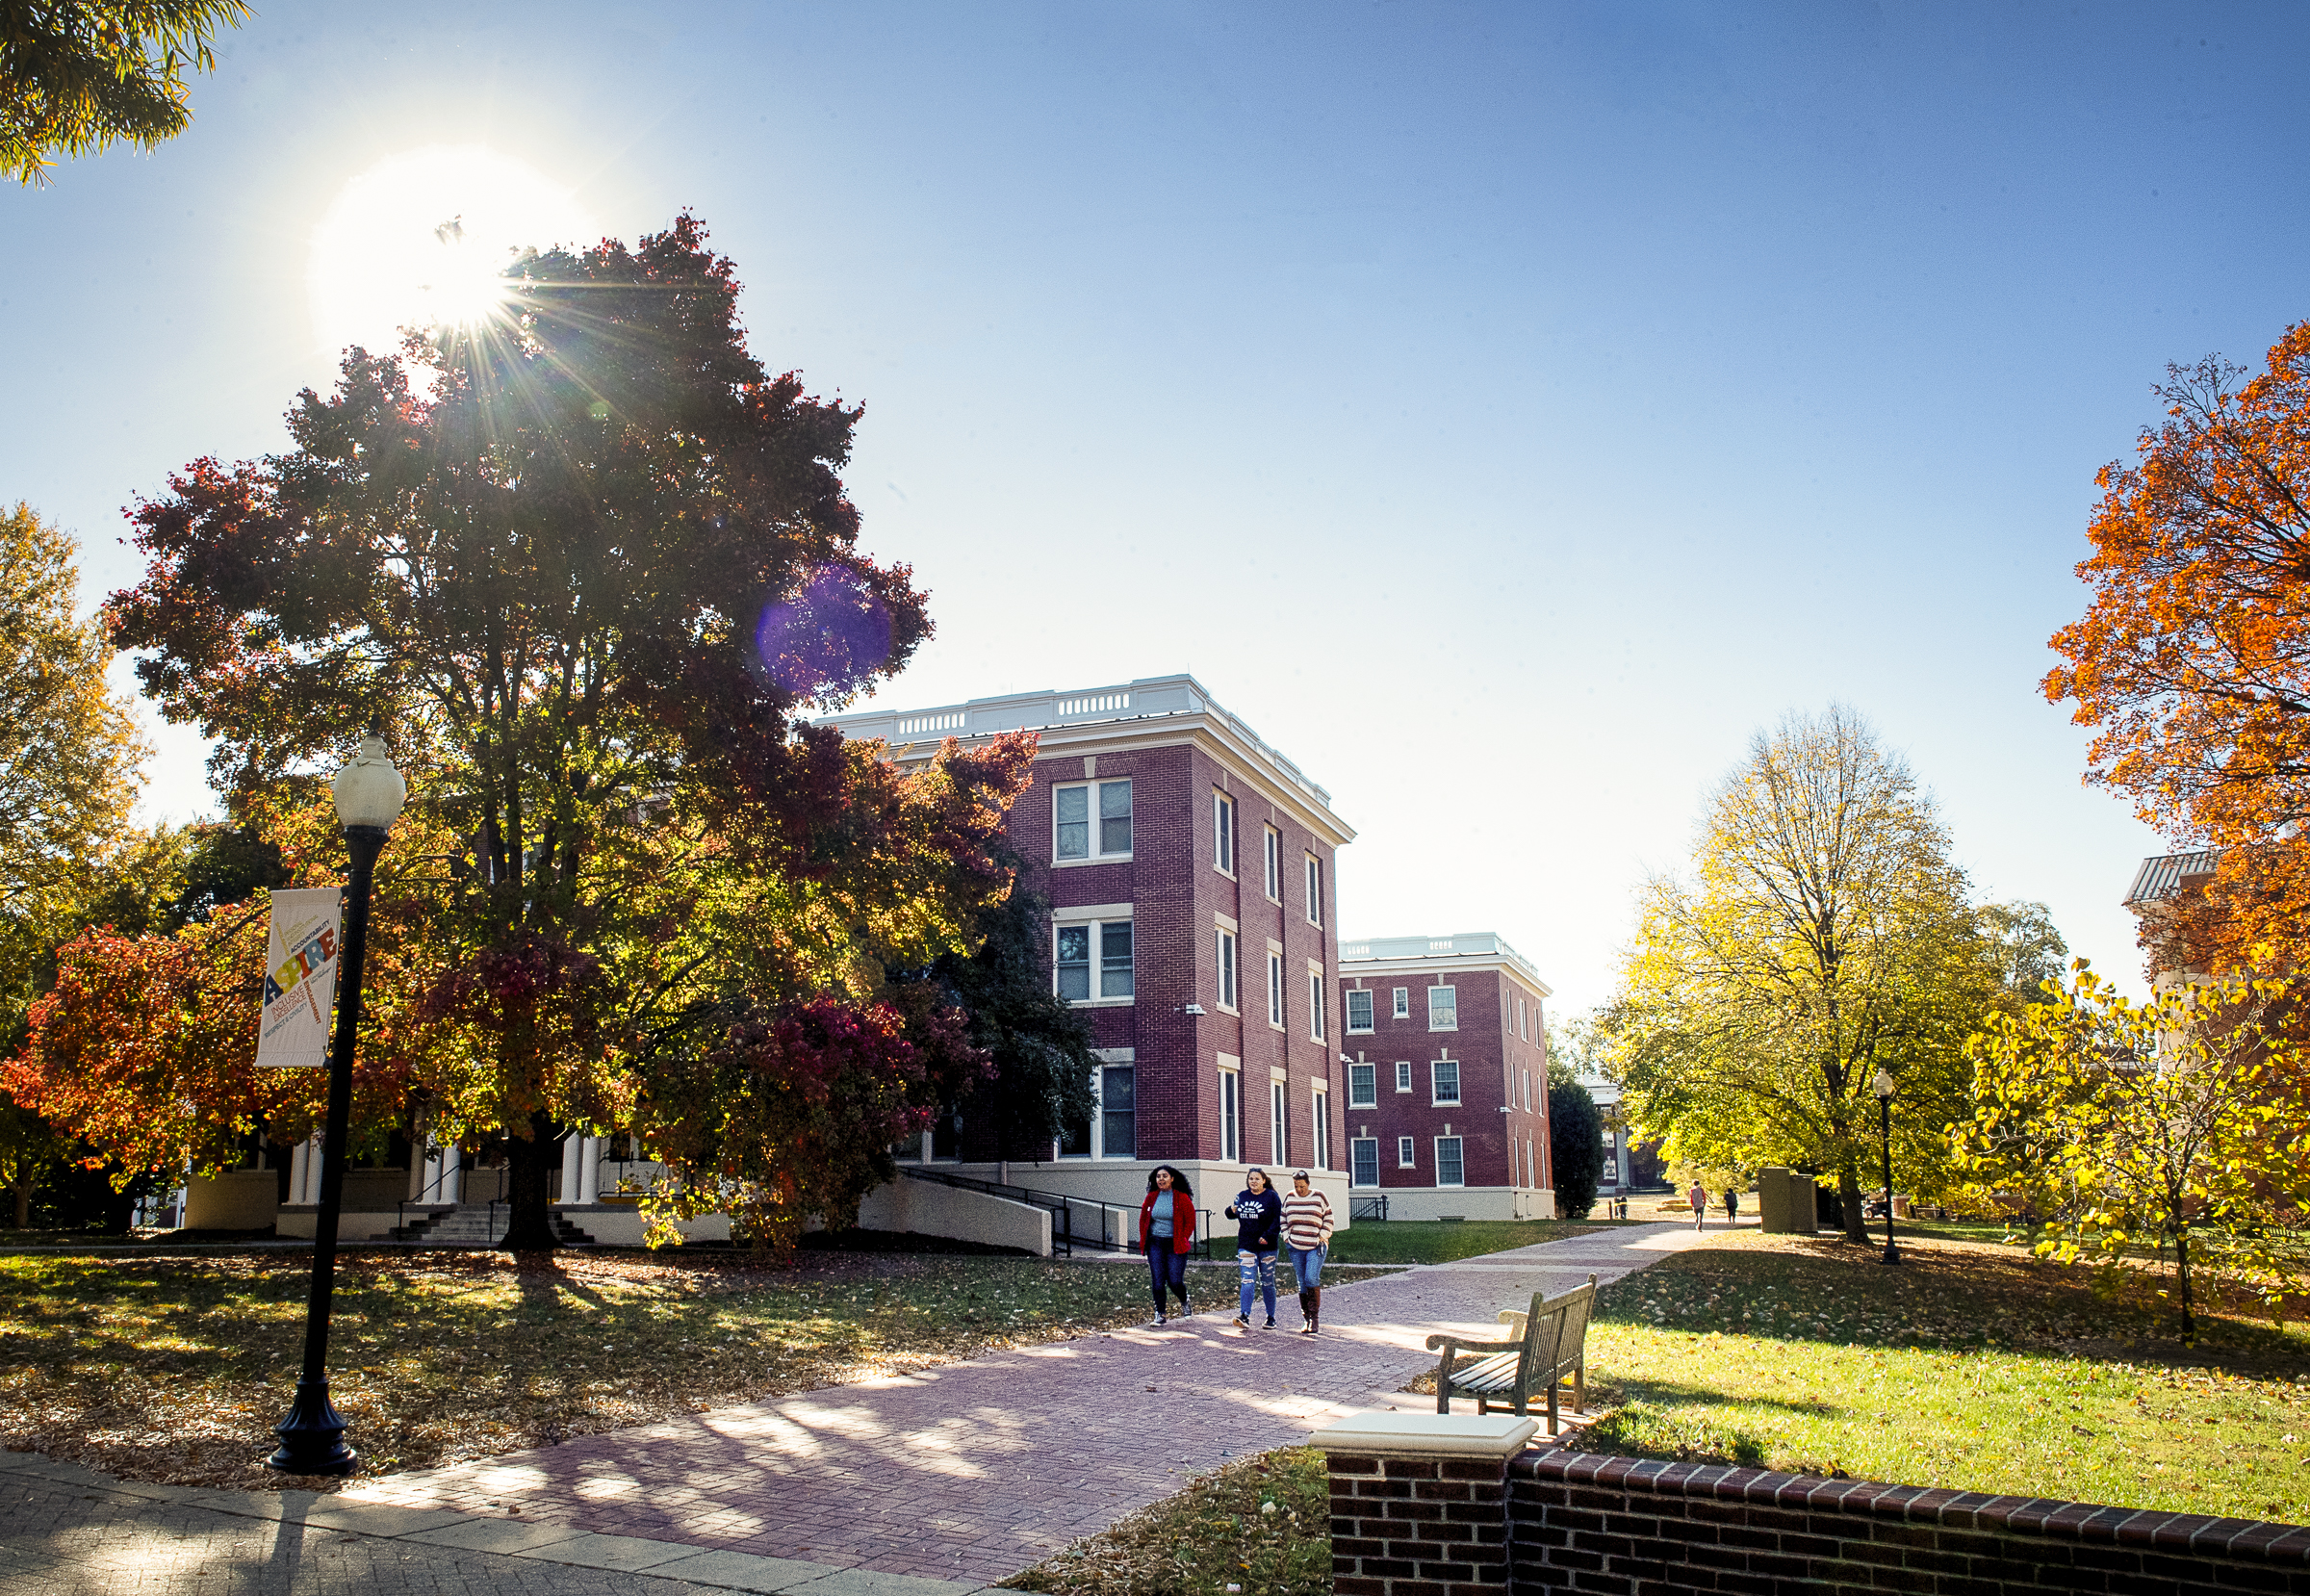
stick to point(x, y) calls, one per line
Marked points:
point(369, 794)
point(1885, 1116)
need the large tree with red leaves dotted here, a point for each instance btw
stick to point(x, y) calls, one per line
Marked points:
point(586, 578)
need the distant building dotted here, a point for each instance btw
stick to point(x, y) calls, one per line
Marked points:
point(1447, 1077)
point(2162, 887)
point(1632, 1164)
point(1189, 866)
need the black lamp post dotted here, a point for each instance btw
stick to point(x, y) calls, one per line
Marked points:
point(1885, 1119)
point(369, 794)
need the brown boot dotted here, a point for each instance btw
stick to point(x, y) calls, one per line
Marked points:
point(1315, 1309)
point(1308, 1314)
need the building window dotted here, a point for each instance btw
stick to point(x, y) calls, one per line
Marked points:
point(1315, 1005)
point(1403, 1074)
point(1321, 1154)
point(1532, 1174)
point(1445, 1077)
point(1279, 1126)
point(1449, 1172)
point(1522, 1035)
point(1226, 960)
point(1314, 890)
point(1074, 1135)
point(1231, 1116)
point(1527, 1090)
point(1360, 1013)
point(1222, 828)
point(1075, 943)
point(1275, 989)
point(1443, 1008)
point(1404, 1160)
point(1081, 835)
point(1118, 1112)
point(1403, 1003)
point(1363, 1160)
point(1363, 1086)
point(1275, 847)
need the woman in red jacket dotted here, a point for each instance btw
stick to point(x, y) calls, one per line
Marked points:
point(1166, 1230)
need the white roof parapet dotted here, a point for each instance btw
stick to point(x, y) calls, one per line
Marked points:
point(1464, 944)
point(1147, 699)
point(2160, 879)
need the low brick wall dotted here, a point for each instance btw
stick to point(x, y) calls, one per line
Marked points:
point(1582, 1521)
point(1408, 1519)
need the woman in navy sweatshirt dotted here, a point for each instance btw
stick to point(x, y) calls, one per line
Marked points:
point(1258, 1215)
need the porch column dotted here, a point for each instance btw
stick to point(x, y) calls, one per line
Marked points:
point(589, 1171)
point(573, 1146)
point(300, 1157)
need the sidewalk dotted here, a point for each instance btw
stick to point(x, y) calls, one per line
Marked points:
point(930, 1484)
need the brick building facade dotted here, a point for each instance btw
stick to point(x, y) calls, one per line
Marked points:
point(1447, 1077)
point(1188, 867)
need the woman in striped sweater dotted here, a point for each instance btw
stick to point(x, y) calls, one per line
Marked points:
point(1306, 1238)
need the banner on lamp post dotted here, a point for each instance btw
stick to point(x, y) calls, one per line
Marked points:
point(300, 977)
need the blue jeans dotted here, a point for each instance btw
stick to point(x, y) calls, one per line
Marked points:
point(1307, 1265)
point(1256, 1271)
point(1165, 1268)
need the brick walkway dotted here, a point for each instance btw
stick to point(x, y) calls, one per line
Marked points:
point(974, 1470)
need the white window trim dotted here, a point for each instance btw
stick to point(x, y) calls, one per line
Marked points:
point(1222, 830)
point(1435, 988)
point(1354, 1101)
point(1403, 1074)
point(1400, 1006)
point(1096, 857)
point(1279, 997)
point(1371, 1010)
point(1353, 1144)
point(1279, 1123)
point(1096, 917)
point(1319, 1121)
point(1404, 1145)
point(1437, 1154)
point(1231, 1068)
point(1227, 953)
point(1459, 1083)
point(1314, 890)
point(1271, 863)
point(1318, 1000)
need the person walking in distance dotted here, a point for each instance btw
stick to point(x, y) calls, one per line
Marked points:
point(1306, 1238)
point(1166, 1230)
point(1258, 1216)
point(1698, 1197)
point(1731, 1207)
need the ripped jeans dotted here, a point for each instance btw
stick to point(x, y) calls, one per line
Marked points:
point(1256, 1272)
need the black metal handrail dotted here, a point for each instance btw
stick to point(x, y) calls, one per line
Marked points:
point(1373, 1209)
point(1061, 1206)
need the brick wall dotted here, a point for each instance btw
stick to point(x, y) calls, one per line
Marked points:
point(1418, 1526)
point(1582, 1522)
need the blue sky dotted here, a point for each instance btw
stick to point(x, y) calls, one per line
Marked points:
point(1507, 409)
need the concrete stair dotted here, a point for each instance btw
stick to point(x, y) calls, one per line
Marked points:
point(472, 1225)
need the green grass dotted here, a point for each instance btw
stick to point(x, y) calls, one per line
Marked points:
point(1433, 1242)
point(1971, 1367)
point(1260, 1526)
point(177, 1368)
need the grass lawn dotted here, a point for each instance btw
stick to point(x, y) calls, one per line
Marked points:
point(1434, 1241)
point(1262, 1525)
point(176, 1369)
point(1973, 1367)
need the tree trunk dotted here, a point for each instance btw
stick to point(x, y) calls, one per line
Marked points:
point(2181, 1269)
point(1848, 1198)
point(529, 1162)
point(24, 1190)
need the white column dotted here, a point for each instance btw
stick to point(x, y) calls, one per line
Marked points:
point(572, 1145)
point(589, 1171)
point(298, 1157)
point(453, 1175)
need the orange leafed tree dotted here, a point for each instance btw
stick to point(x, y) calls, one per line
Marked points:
point(2193, 660)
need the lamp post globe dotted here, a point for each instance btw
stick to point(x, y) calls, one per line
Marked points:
point(1883, 1085)
point(369, 794)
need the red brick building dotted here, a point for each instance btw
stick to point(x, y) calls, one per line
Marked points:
point(1190, 870)
point(1447, 1077)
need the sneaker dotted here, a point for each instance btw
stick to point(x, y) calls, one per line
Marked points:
point(1163, 1319)
point(1185, 1312)
point(1268, 1326)
point(1241, 1323)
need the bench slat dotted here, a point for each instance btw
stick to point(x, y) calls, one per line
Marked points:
point(1493, 1374)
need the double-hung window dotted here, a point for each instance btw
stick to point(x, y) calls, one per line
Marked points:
point(1315, 1004)
point(1363, 1160)
point(1363, 1086)
point(1226, 963)
point(1223, 830)
point(1279, 1124)
point(1403, 1002)
point(1449, 1169)
point(1522, 1035)
point(1405, 1159)
point(1443, 1008)
point(1444, 1075)
point(1314, 890)
point(1091, 820)
point(1319, 1122)
point(1118, 1112)
point(1274, 864)
point(1095, 958)
point(1360, 1013)
point(1275, 989)
point(1403, 1074)
point(1231, 1115)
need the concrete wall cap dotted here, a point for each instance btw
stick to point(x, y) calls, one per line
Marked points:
point(1426, 1434)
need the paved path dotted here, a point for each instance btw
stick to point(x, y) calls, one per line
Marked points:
point(933, 1485)
point(974, 1470)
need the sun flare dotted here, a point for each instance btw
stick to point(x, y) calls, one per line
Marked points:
point(420, 239)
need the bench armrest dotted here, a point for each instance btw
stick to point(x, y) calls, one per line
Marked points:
point(1448, 1344)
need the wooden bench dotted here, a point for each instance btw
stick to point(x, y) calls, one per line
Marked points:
point(1546, 1343)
